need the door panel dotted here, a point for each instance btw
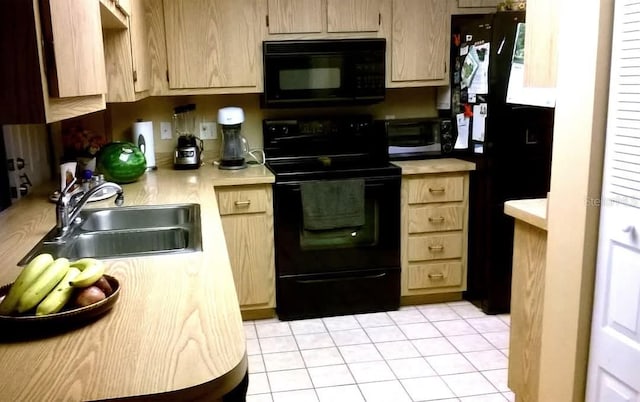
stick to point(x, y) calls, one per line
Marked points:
point(295, 16)
point(353, 15)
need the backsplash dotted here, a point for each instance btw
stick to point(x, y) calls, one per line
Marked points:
point(27, 157)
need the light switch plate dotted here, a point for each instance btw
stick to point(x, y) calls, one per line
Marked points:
point(208, 130)
point(165, 130)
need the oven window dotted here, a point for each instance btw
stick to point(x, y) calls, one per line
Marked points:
point(309, 78)
point(361, 236)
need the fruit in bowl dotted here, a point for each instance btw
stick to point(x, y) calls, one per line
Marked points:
point(121, 162)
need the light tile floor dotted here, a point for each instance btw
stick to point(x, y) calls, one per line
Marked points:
point(437, 352)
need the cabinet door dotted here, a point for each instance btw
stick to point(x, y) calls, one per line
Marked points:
point(140, 47)
point(419, 44)
point(72, 35)
point(212, 44)
point(295, 16)
point(250, 245)
point(353, 15)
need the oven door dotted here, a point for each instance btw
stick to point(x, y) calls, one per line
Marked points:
point(374, 245)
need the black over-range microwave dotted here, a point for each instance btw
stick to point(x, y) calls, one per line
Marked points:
point(417, 138)
point(302, 73)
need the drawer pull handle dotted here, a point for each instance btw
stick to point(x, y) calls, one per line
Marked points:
point(436, 220)
point(436, 276)
point(436, 248)
point(436, 190)
point(243, 203)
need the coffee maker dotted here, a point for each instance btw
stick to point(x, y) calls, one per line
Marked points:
point(188, 152)
point(234, 145)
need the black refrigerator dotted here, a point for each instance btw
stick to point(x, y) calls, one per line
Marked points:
point(513, 156)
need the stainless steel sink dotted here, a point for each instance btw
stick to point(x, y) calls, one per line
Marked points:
point(126, 231)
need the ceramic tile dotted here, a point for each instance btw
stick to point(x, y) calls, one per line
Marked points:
point(342, 393)
point(488, 324)
point(283, 361)
point(406, 316)
point(329, 376)
point(454, 327)
point(498, 339)
point(427, 388)
point(487, 360)
point(384, 391)
point(311, 326)
point(359, 353)
point(458, 303)
point(470, 343)
point(273, 329)
point(397, 350)
point(468, 384)
point(350, 337)
point(484, 398)
point(253, 347)
point(498, 378)
point(511, 397)
point(305, 395)
point(250, 331)
point(340, 323)
point(278, 344)
point(289, 380)
point(505, 352)
point(371, 371)
point(468, 311)
point(411, 368)
point(314, 341)
point(438, 312)
point(506, 318)
point(258, 384)
point(406, 308)
point(321, 357)
point(450, 364)
point(385, 334)
point(374, 320)
point(433, 346)
point(259, 398)
point(266, 320)
point(419, 330)
point(256, 364)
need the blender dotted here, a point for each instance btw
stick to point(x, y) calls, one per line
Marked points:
point(189, 149)
point(234, 145)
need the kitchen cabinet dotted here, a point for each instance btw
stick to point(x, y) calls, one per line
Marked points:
point(478, 3)
point(434, 229)
point(323, 16)
point(127, 58)
point(540, 43)
point(53, 60)
point(419, 44)
point(213, 44)
point(246, 212)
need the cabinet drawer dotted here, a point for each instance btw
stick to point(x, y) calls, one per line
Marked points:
point(435, 247)
point(434, 275)
point(241, 201)
point(435, 189)
point(433, 219)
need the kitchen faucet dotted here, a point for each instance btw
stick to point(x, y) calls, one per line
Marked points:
point(70, 203)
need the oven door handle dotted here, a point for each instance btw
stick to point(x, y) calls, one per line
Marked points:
point(296, 189)
point(376, 276)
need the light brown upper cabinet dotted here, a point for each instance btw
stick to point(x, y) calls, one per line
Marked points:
point(477, 3)
point(53, 60)
point(419, 43)
point(127, 58)
point(323, 16)
point(213, 44)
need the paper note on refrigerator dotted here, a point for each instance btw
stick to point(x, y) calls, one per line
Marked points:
point(478, 148)
point(462, 122)
point(479, 116)
point(480, 82)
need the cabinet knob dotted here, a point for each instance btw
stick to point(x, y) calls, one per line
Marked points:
point(436, 190)
point(436, 248)
point(436, 220)
point(243, 203)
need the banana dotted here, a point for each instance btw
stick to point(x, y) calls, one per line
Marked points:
point(27, 277)
point(89, 275)
point(59, 296)
point(43, 285)
point(83, 263)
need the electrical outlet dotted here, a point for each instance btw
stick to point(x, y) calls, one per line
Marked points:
point(165, 130)
point(208, 131)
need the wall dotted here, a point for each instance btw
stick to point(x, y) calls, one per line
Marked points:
point(400, 103)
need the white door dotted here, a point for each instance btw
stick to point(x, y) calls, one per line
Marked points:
point(614, 358)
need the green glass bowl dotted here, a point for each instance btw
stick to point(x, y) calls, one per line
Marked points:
point(121, 162)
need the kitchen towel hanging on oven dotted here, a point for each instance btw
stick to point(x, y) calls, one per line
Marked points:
point(332, 204)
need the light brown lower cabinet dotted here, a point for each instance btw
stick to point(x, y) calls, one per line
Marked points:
point(247, 220)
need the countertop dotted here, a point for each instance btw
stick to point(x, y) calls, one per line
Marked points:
point(532, 211)
point(444, 165)
point(176, 328)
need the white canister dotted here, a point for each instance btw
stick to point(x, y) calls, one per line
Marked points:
point(143, 138)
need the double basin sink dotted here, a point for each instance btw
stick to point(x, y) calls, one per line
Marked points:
point(126, 232)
